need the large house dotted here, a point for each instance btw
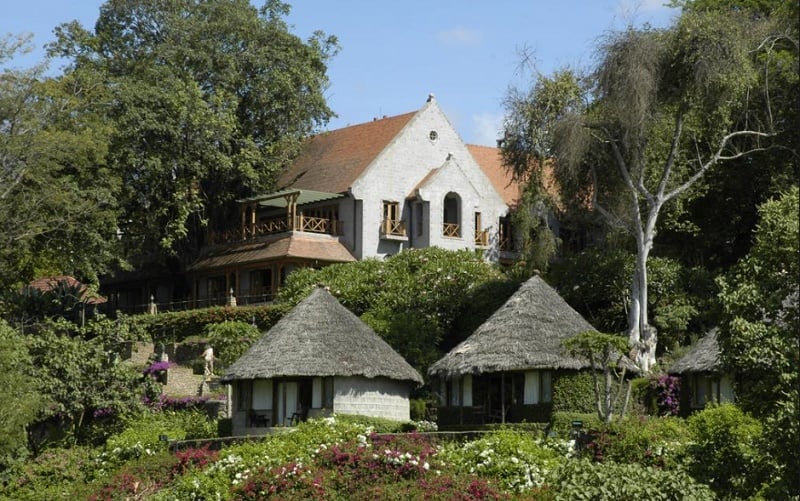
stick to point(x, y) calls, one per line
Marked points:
point(365, 191)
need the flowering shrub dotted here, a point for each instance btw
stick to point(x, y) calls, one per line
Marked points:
point(659, 442)
point(157, 368)
point(516, 461)
point(667, 390)
point(167, 403)
point(193, 458)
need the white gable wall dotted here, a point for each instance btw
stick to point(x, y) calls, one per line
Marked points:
point(377, 397)
point(400, 168)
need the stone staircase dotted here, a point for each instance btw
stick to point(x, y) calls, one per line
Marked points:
point(181, 381)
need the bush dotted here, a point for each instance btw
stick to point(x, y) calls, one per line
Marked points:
point(725, 452)
point(50, 474)
point(574, 392)
point(230, 339)
point(417, 408)
point(584, 480)
point(516, 461)
point(561, 422)
point(142, 436)
point(659, 442)
point(666, 390)
point(179, 325)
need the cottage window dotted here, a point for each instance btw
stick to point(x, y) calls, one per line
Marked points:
point(261, 283)
point(454, 392)
point(706, 390)
point(245, 396)
point(322, 393)
point(506, 234)
point(481, 235)
point(538, 387)
point(392, 223)
point(216, 287)
point(466, 388)
point(451, 216)
point(262, 394)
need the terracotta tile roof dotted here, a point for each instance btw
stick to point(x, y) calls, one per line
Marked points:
point(318, 247)
point(47, 284)
point(332, 161)
point(491, 162)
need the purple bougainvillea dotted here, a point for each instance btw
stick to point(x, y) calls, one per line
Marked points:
point(667, 390)
point(157, 367)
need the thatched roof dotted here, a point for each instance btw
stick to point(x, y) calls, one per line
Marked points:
point(702, 357)
point(320, 337)
point(525, 333)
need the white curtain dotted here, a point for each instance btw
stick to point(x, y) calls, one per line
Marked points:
point(531, 392)
point(262, 394)
point(467, 390)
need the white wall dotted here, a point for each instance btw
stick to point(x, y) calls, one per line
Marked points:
point(377, 397)
point(405, 162)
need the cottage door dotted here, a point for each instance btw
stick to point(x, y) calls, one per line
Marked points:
point(287, 401)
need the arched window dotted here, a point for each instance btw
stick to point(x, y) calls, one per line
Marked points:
point(451, 216)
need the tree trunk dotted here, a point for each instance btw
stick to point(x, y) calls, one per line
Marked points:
point(642, 336)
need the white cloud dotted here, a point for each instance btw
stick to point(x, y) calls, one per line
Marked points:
point(487, 128)
point(459, 37)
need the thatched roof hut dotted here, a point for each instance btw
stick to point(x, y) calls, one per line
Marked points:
point(320, 337)
point(704, 356)
point(526, 333)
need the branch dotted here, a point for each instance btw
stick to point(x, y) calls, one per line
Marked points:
point(673, 149)
point(718, 156)
point(611, 218)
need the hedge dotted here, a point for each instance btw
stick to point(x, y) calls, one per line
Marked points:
point(179, 325)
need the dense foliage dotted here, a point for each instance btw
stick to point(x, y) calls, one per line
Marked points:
point(353, 458)
point(176, 326)
point(630, 139)
point(415, 300)
point(759, 336)
point(208, 100)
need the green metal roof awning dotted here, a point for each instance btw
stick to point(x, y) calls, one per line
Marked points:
point(279, 198)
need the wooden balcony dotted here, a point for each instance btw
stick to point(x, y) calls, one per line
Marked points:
point(451, 230)
point(482, 238)
point(393, 229)
point(506, 244)
point(278, 225)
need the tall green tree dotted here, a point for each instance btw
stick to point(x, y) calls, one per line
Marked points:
point(760, 335)
point(661, 109)
point(22, 401)
point(210, 100)
point(58, 199)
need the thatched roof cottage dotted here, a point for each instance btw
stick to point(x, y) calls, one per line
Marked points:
point(318, 359)
point(504, 371)
point(703, 379)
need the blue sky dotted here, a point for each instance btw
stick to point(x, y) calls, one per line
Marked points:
point(395, 52)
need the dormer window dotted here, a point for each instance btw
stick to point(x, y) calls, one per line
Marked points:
point(451, 216)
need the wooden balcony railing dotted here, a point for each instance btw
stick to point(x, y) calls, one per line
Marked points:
point(482, 238)
point(278, 225)
point(451, 230)
point(506, 244)
point(317, 225)
point(393, 227)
